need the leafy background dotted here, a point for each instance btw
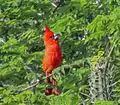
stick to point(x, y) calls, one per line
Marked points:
point(90, 42)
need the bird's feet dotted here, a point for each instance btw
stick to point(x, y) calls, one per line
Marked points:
point(56, 91)
point(54, 82)
point(49, 81)
point(50, 91)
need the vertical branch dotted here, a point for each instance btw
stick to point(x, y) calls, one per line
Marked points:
point(96, 82)
point(101, 75)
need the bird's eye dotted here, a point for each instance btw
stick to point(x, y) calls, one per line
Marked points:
point(51, 36)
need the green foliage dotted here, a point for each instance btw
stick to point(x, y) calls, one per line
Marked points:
point(67, 99)
point(84, 27)
point(105, 103)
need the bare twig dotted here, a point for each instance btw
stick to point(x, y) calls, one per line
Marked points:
point(84, 94)
point(56, 6)
point(63, 41)
point(112, 85)
point(31, 86)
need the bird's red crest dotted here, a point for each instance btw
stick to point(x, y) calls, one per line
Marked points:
point(46, 28)
point(47, 35)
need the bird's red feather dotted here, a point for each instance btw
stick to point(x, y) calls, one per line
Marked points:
point(52, 56)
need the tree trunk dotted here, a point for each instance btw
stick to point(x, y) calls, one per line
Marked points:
point(100, 80)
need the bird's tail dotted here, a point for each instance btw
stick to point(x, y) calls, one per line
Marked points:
point(51, 90)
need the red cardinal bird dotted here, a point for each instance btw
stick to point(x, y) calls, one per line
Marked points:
point(52, 59)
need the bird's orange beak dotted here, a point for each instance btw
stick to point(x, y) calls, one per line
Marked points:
point(56, 36)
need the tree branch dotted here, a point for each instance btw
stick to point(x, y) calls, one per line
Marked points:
point(31, 86)
point(56, 6)
point(76, 64)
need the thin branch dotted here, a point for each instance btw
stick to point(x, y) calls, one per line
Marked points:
point(112, 48)
point(63, 41)
point(112, 85)
point(31, 86)
point(56, 6)
point(84, 94)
